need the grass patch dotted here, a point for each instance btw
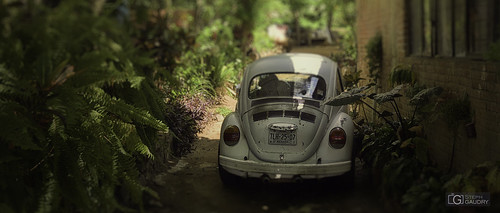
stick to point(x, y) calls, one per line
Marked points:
point(224, 111)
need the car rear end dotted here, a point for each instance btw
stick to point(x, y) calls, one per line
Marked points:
point(288, 133)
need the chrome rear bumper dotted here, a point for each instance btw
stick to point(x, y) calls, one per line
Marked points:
point(247, 168)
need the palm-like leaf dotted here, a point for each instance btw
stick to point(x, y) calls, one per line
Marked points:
point(348, 97)
point(344, 98)
point(424, 95)
point(388, 96)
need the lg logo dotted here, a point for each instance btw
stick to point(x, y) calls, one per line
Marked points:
point(454, 199)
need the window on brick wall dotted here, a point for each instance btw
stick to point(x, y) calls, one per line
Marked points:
point(460, 30)
point(452, 28)
point(444, 28)
point(420, 27)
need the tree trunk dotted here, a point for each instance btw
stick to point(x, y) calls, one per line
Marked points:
point(297, 29)
point(329, 22)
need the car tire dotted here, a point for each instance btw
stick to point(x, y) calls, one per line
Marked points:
point(227, 178)
point(342, 182)
point(348, 178)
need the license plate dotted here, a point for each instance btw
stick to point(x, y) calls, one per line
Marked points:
point(283, 138)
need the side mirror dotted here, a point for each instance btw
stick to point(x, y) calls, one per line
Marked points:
point(238, 89)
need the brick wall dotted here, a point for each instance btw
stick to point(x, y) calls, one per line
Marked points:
point(479, 79)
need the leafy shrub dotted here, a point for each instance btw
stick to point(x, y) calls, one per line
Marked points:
point(187, 121)
point(427, 193)
point(77, 108)
point(402, 74)
point(398, 176)
point(426, 196)
point(484, 177)
point(197, 61)
point(395, 150)
point(356, 95)
point(213, 62)
point(378, 146)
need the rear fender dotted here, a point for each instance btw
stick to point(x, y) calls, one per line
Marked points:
point(329, 154)
point(238, 151)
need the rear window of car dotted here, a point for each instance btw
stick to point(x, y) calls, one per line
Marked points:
point(287, 85)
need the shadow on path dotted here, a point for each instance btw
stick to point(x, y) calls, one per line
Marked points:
point(192, 184)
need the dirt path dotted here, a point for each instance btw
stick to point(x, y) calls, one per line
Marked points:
point(192, 184)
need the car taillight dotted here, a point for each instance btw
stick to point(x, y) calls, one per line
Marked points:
point(231, 135)
point(337, 138)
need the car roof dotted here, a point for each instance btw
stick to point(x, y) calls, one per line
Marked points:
point(293, 62)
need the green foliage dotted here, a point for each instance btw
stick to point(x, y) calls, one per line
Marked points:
point(381, 145)
point(303, 15)
point(388, 96)
point(426, 194)
point(401, 154)
point(348, 41)
point(224, 111)
point(348, 97)
point(378, 146)
point(426, 191)
point(398, 175)
point(344, 21)
point(352, 78)
point(402, 74)
point(198, 45)
point(187, 121)
point(78, 111)
point(403, 138)
point(484, 177)
point(355, 95)
point(407, 173)
point(308, 13)
point(424, 95)
point(350, 74)
point(374, 55)
point(204, 72)
point(404, 169)
point(407, 176)
point(212, 60)
point(420, 145)
point(192, 74)
point(419, 100)
point(266, 14)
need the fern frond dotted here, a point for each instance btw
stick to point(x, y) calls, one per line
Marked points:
point(12, 88)
point(143, 149)
point(78, 110)
point(126, 112)
point(16, 129)
point(47, 200)
point(57, 129)
point(137, 190)
point(6, 208)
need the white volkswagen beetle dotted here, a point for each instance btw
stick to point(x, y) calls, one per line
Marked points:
point(281, 128)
